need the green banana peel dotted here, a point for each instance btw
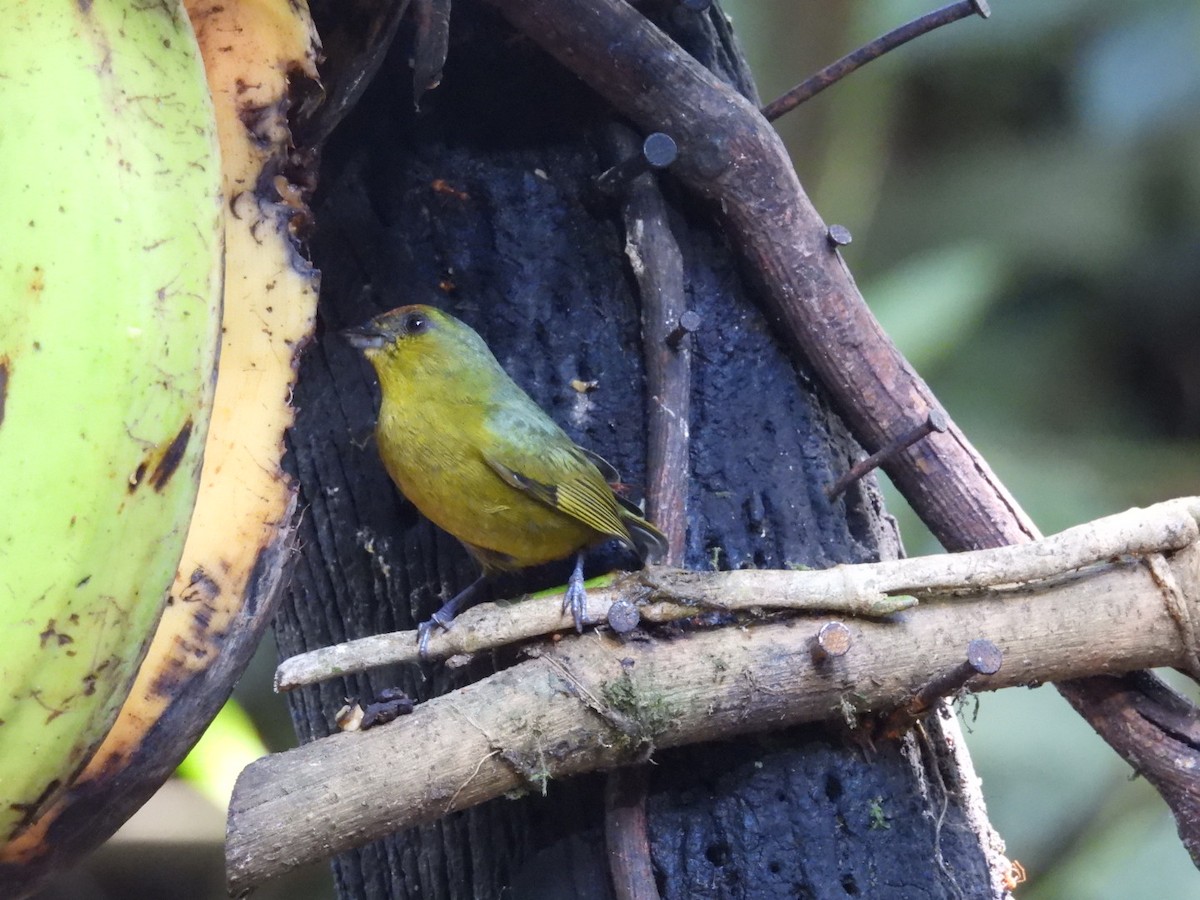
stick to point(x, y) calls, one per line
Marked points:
point(110, 286)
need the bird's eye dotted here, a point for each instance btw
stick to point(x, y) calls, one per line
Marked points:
point(415, 323)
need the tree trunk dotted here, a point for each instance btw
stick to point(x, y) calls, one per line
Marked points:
point(482, 203)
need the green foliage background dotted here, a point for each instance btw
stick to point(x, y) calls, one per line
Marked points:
point(1024, 195)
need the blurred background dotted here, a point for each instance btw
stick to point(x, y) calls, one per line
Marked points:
point(1024, 196)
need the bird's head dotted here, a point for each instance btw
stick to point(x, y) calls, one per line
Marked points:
point(412, 341)
point(409, 325)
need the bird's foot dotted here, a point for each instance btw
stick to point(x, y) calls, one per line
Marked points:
point(439, 619)
point(444, 617)
point(575, 599)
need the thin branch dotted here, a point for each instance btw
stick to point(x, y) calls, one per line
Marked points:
point(867, 589)
point(665, 595)
point(657, 266)
point(852, 62)
point(597, 701)
point(626, 833)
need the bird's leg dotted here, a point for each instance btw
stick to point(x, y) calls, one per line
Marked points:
point(575, 599)
point(464, 599)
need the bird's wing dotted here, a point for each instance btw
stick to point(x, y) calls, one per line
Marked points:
point(648, 541)
point(607, 470)
point(568, 481)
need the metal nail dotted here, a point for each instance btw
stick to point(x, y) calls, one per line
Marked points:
point(983, 658)
point(623, 616)
point(935, 421)
point(839, 235)
point(689, 323)
point(658, 151)
point(832, 640)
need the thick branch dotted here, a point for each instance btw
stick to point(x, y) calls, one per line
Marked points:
point(626, 834)
point(657, 265)
point(597, 702)
point(860, 590)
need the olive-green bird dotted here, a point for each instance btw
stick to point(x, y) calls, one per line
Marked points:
point(481, 460)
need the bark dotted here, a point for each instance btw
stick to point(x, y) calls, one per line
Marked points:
point(482, 203)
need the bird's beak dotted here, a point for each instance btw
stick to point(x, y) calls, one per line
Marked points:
point(364, 337)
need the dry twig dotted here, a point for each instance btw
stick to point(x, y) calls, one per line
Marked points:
point(869, 589)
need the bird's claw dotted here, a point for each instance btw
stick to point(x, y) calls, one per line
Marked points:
point(444, 617)
point(425, 629)
point(575, 598)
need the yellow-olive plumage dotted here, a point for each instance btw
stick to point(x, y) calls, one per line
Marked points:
point(478, 457)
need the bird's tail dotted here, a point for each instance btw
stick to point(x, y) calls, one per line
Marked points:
point(648, 541)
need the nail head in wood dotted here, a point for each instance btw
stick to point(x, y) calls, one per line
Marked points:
point(936, 420)
point(689, 323)
point(623, 617)
point(658, 151)
point(984, 657)
point(839, 235)
point(833, 639)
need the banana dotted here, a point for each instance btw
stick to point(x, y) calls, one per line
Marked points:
point(240, 534)
point(246, 500)
point(110, 295)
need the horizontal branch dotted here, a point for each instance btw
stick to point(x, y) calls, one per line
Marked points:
point(665, 595)
point(598, 701)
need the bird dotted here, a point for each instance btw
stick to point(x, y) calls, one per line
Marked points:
point(482, 461)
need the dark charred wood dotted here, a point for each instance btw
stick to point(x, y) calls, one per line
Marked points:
point(482, 204)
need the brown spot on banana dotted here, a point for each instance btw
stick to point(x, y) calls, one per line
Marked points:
point(162, 462)
point(172, 457)
point(138, 474)
point(30, 811)
point(4, 366)
point(200, 587)
point(51, 633)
